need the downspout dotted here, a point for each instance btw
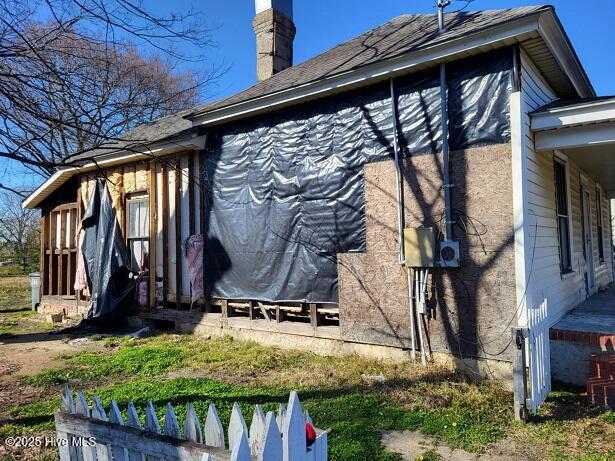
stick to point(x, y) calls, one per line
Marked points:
point(398, 175)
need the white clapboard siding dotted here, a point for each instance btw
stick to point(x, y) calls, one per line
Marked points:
point(151, 441)
point(541, 245)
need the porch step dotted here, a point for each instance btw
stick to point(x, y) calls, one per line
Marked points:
point(601, 380)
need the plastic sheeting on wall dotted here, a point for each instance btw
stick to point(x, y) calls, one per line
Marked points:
point(286, 190)
point(106, 261)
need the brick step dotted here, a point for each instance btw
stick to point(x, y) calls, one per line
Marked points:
point(601, 381)
point(602, 366)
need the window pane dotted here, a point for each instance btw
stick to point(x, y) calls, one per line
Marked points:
point(133, 217)
point(564, 244)
point(144, 220)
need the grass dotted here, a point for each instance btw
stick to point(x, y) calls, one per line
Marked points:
point(16, 316)
point(15, 293)
point(181, 369)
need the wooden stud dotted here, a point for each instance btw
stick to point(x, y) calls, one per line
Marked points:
point(224, 308)
point(60, 281)
point(191, 217)
point(41, 262)
point(280, 315)
point(178, 233)
point(251, 310)
point(165, 231)
point(51, 239)
point(153, 230)
point(315, 319)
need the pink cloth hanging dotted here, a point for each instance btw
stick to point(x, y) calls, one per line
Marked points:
point(81, 279)
point(194, 248)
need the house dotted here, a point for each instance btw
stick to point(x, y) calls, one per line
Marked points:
point(305, 184)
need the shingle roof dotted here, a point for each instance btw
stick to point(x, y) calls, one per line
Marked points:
point(162, 129)
point(405, 33)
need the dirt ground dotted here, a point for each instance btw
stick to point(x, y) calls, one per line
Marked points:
point(29, 354)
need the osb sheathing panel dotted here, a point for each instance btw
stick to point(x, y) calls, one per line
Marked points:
point(474, 305)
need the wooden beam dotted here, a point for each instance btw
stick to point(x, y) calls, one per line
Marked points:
point(202, 198)
point(61, 278)
point(178, 232)
point(153, 230)
point(165, 231)
point(51, 228)
point(224, 308)
point(314, 315)
point(41, 262)
point(203, 195)
point(191, 180)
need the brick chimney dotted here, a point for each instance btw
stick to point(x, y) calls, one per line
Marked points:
point(275, 32)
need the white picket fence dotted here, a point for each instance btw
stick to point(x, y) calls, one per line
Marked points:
point(539, 355)
point(88, 434)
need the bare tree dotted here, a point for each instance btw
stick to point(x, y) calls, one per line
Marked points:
point(19, 230)
point(82, 78)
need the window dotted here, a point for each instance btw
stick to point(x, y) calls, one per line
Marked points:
point(563, 217)
point(138, 232)
point(599, 219)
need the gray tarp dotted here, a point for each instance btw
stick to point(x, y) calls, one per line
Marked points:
point(106, 261)
point(286, 190)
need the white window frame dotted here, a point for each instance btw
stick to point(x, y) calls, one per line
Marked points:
point(137, 198)
point(563, 160)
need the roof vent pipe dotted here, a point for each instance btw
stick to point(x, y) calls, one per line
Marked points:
point(441, 5)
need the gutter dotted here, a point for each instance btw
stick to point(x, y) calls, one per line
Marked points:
point(122, 157)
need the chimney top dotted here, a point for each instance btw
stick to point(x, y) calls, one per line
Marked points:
point(275, 32)
point(283, 6)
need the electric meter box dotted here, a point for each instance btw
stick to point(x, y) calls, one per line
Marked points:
point(419, 246)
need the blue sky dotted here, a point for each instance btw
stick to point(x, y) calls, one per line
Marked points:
point(322, 24)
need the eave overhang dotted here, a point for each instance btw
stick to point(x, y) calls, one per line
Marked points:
point(111, 159)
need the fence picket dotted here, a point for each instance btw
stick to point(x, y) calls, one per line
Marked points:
point(152, 425)
point(171, 426)
point(67, 403)
point(132, 420)
point(98, 412)
point(81, 405)
point(281, 415)
point(257, 430)
point(118, 453)
point(151, 419)
point(214, 431)
point(137, 441)
point(272, 440)
point(81, 451)
point(241, 447)
point(235, 427)
point(293, 431)
point(192, 426)
point(539, 355)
